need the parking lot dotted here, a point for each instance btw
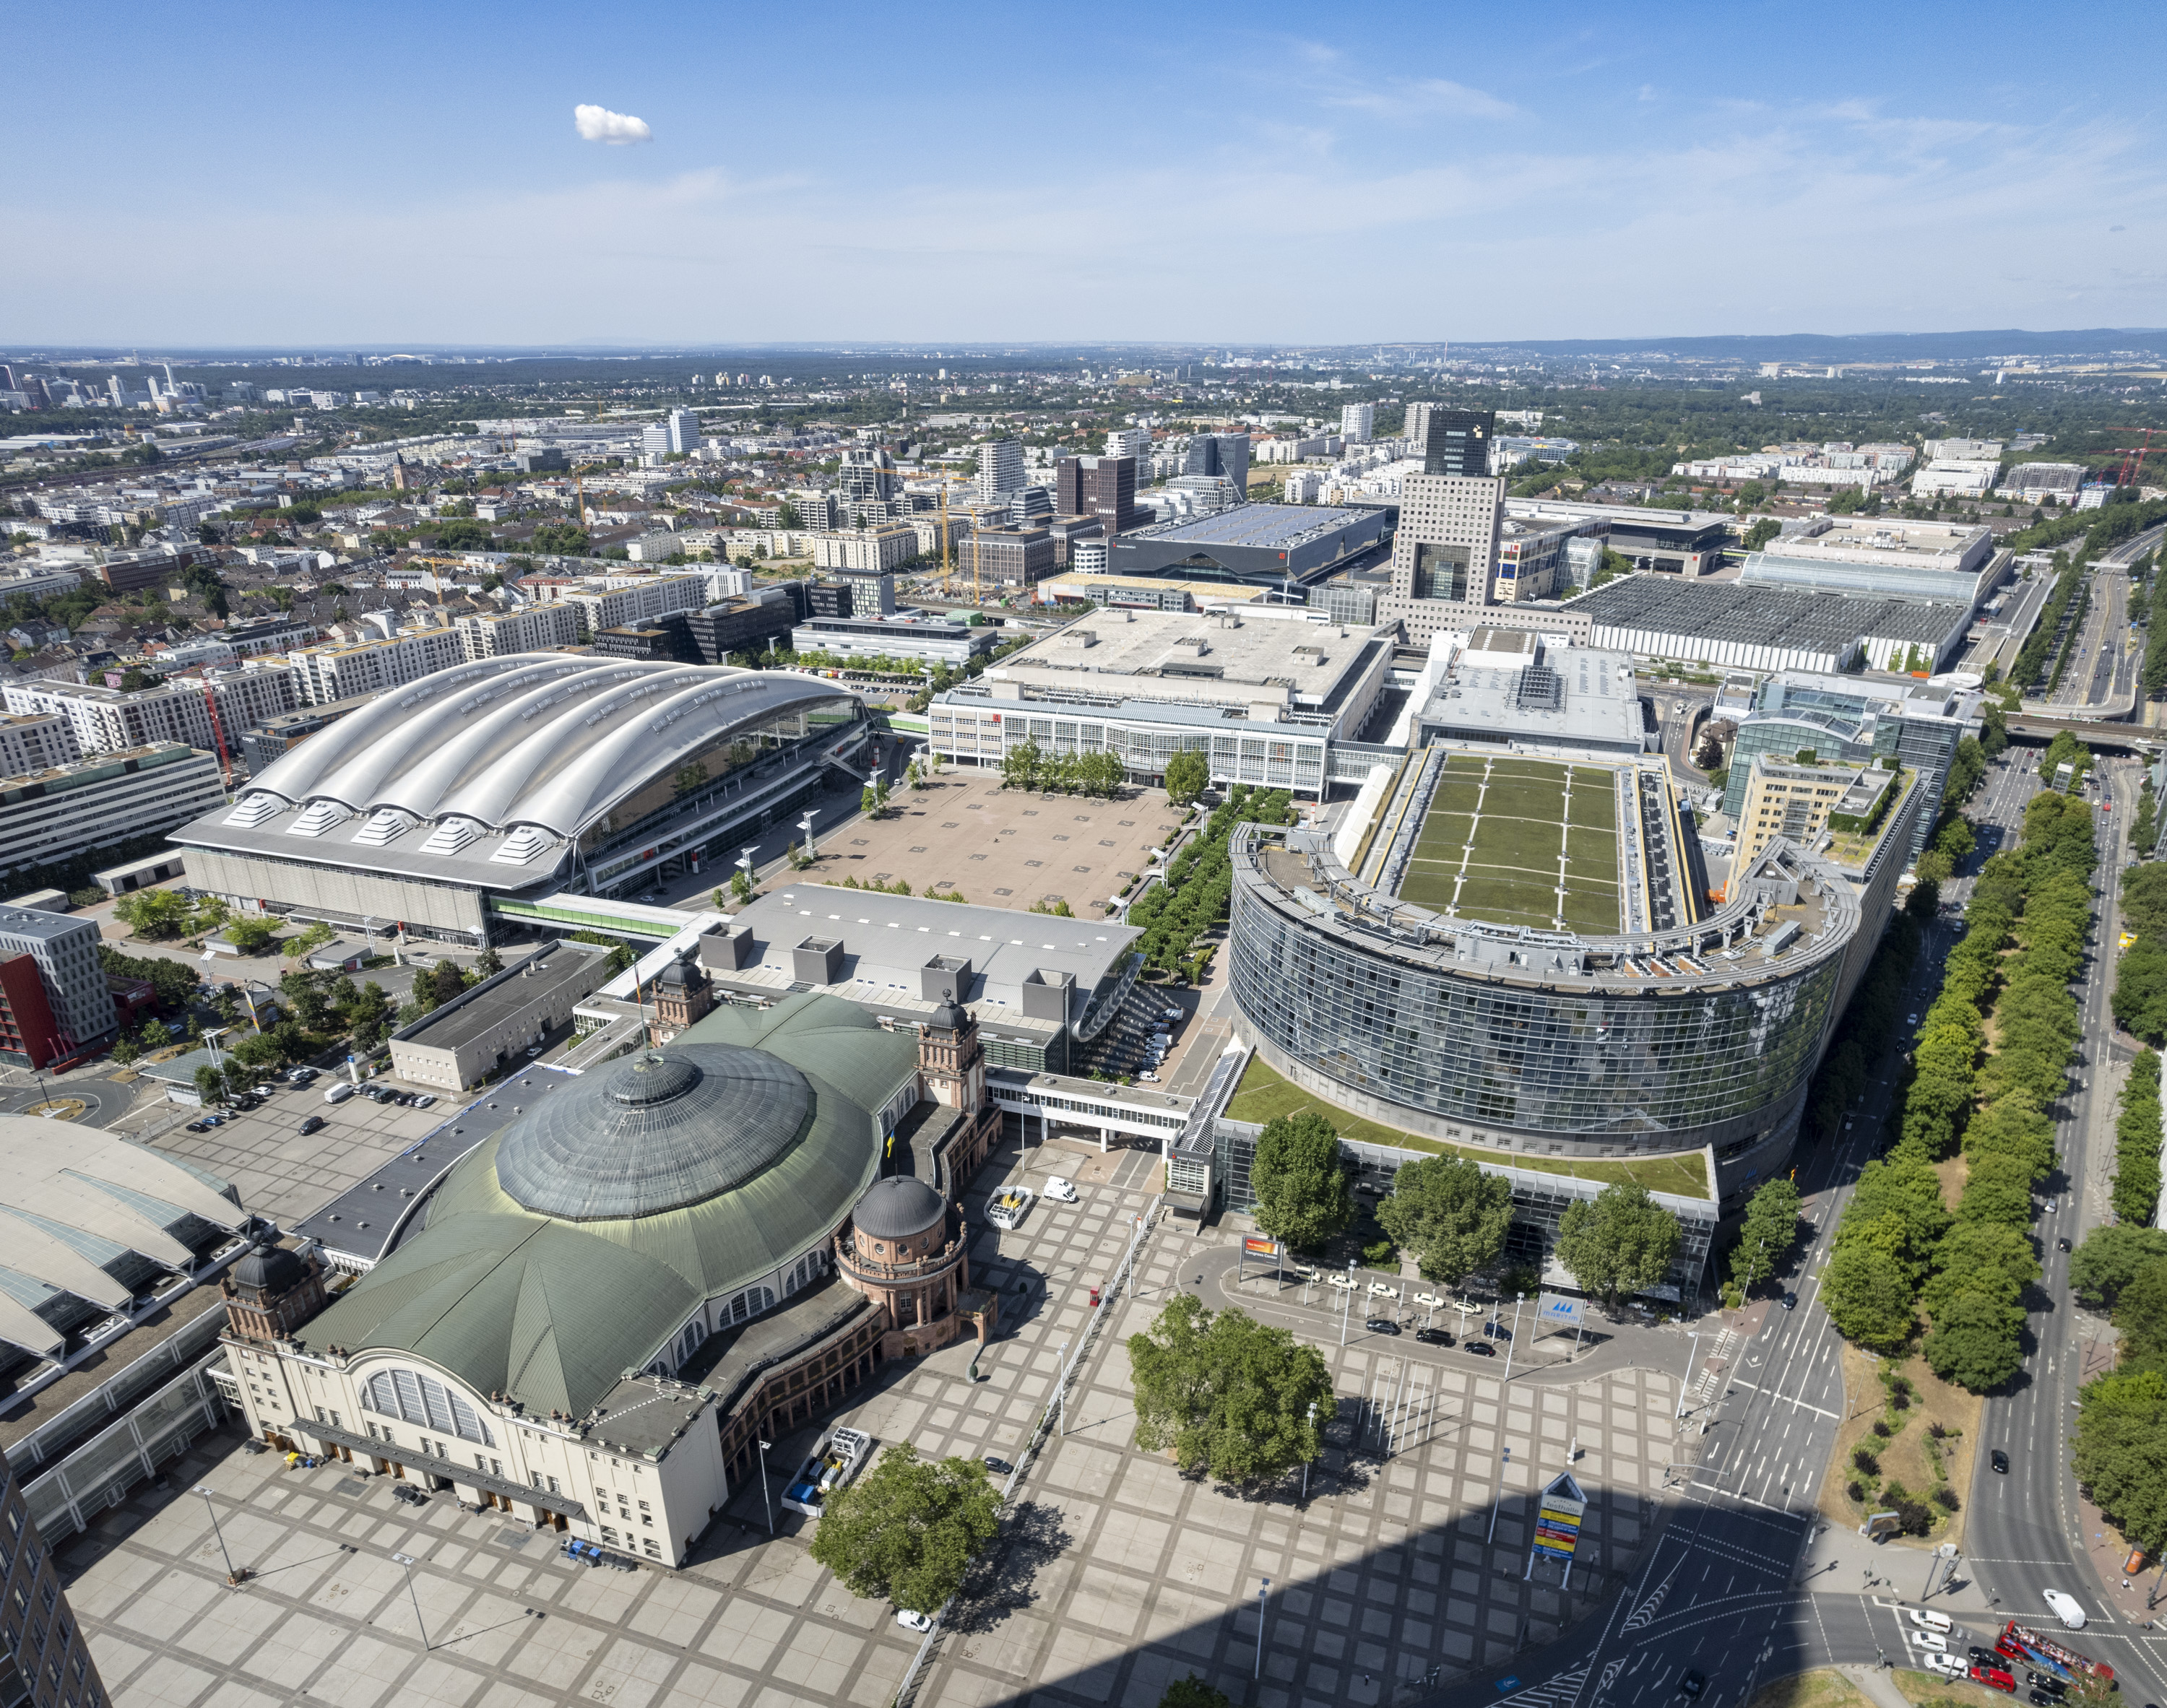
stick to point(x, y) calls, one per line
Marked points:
point(280, 1172)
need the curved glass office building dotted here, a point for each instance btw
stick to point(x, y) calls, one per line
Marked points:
point(1545, 1042)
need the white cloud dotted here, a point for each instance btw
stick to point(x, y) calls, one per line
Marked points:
point(1405, 98)
point(599, 124)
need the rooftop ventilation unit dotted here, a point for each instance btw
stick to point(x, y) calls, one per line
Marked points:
point(320, 816)
point(450, 837)
point(384, 826)
point(520, 846)
point(253, 810)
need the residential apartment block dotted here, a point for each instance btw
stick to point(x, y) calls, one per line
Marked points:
point(36, 743)
point(57, 813)
point(114, 720)
point(527, 628)
point(322, 674)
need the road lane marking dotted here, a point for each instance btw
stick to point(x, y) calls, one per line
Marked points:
point(1805, 1405)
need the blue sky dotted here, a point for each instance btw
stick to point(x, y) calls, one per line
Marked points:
point(411, 175)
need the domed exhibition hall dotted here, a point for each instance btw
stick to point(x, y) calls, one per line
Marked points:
point(594, 1318)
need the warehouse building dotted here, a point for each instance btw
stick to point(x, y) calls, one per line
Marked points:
point(459, 805)
point(1249, 542)
point(1757, 627)
point(1950, 563)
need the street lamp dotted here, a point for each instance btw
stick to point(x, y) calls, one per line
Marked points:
point(1262, 1594)
point(1693, 1352)
point(1304, 1463)
point(1346, 1304)
point(232, 1577)
point(765, 1499)
point(805, 826)
point(409, 1562)
point(1509, 1344)
point(1060, 1390)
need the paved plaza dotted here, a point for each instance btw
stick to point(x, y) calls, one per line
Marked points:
point(1001, 848)
point(1114, 1573)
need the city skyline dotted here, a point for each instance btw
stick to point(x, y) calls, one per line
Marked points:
point(1399, 176)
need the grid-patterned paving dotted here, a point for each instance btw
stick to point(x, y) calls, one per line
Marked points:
point(1119, 1573)
point(1519, 841)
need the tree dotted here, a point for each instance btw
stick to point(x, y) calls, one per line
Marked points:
point(368, 1016)
point(1302, 1195)
point(740, 885)
point(488, 964)
point(125, 1049)
point(446, 980)
point(1761, 531)
point(1867, 1296)
point(309, 941)
point(1228, 1394)
point(251, 936)
point(1188, 773)
point(2140, 1316)
point(210, 1084)
point(2121, 1453)
point(2139, 1001)
point(1192, 1692)
point(1975, 1342)
point(2144, 902)
point(1771, 1224)
point(2109, 1259)
point(1450, 1213)
point(1621, 1241)
point(908, 1529)
point(154, 913)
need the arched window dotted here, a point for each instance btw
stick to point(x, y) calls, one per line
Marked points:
point(423, 1399)
point(750, 1303)
point(689, 1343)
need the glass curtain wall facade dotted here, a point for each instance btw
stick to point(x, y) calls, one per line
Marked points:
point(1594, 1066)
point(1852, 733)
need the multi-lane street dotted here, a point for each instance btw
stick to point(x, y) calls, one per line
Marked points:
point(1746, 1582)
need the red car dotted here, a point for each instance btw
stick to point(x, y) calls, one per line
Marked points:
point(1994, 1679)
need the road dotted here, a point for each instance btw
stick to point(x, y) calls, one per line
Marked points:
point(1678, 727)
point(2102, 667)
point(1745, 1583)
point(2024, 1530)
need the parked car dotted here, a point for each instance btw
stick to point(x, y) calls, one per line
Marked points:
point(1945, 1664)
point(426, 1101)
point(198, 1127)
point(1928, 1640)
point(1147, 1077)
point(1994, 1679)
point(339, 1091)
point(314, 1124)
point(913, 1622)
point(1481, 1349)
point(999, 1467)
point(1434, 1337)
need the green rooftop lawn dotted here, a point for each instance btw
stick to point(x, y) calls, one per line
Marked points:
point(1264, 1095)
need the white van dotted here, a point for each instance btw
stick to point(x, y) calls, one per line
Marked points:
point(340, 1092)
point(2066, 1608)
point(1926, 1620)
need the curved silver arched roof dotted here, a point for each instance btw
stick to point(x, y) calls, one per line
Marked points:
point(542, 739)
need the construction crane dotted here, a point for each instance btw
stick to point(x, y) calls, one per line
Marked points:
point(218, 735)
point(2131, 473)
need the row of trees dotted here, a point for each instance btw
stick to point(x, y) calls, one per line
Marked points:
point(1199, 880)
point(1096, 776)
point(2139, 1001)
point(1899, 1247)
point(1451, 1215)
point(2136, 1131)
point(2121, 1417)
point(2032, 657)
